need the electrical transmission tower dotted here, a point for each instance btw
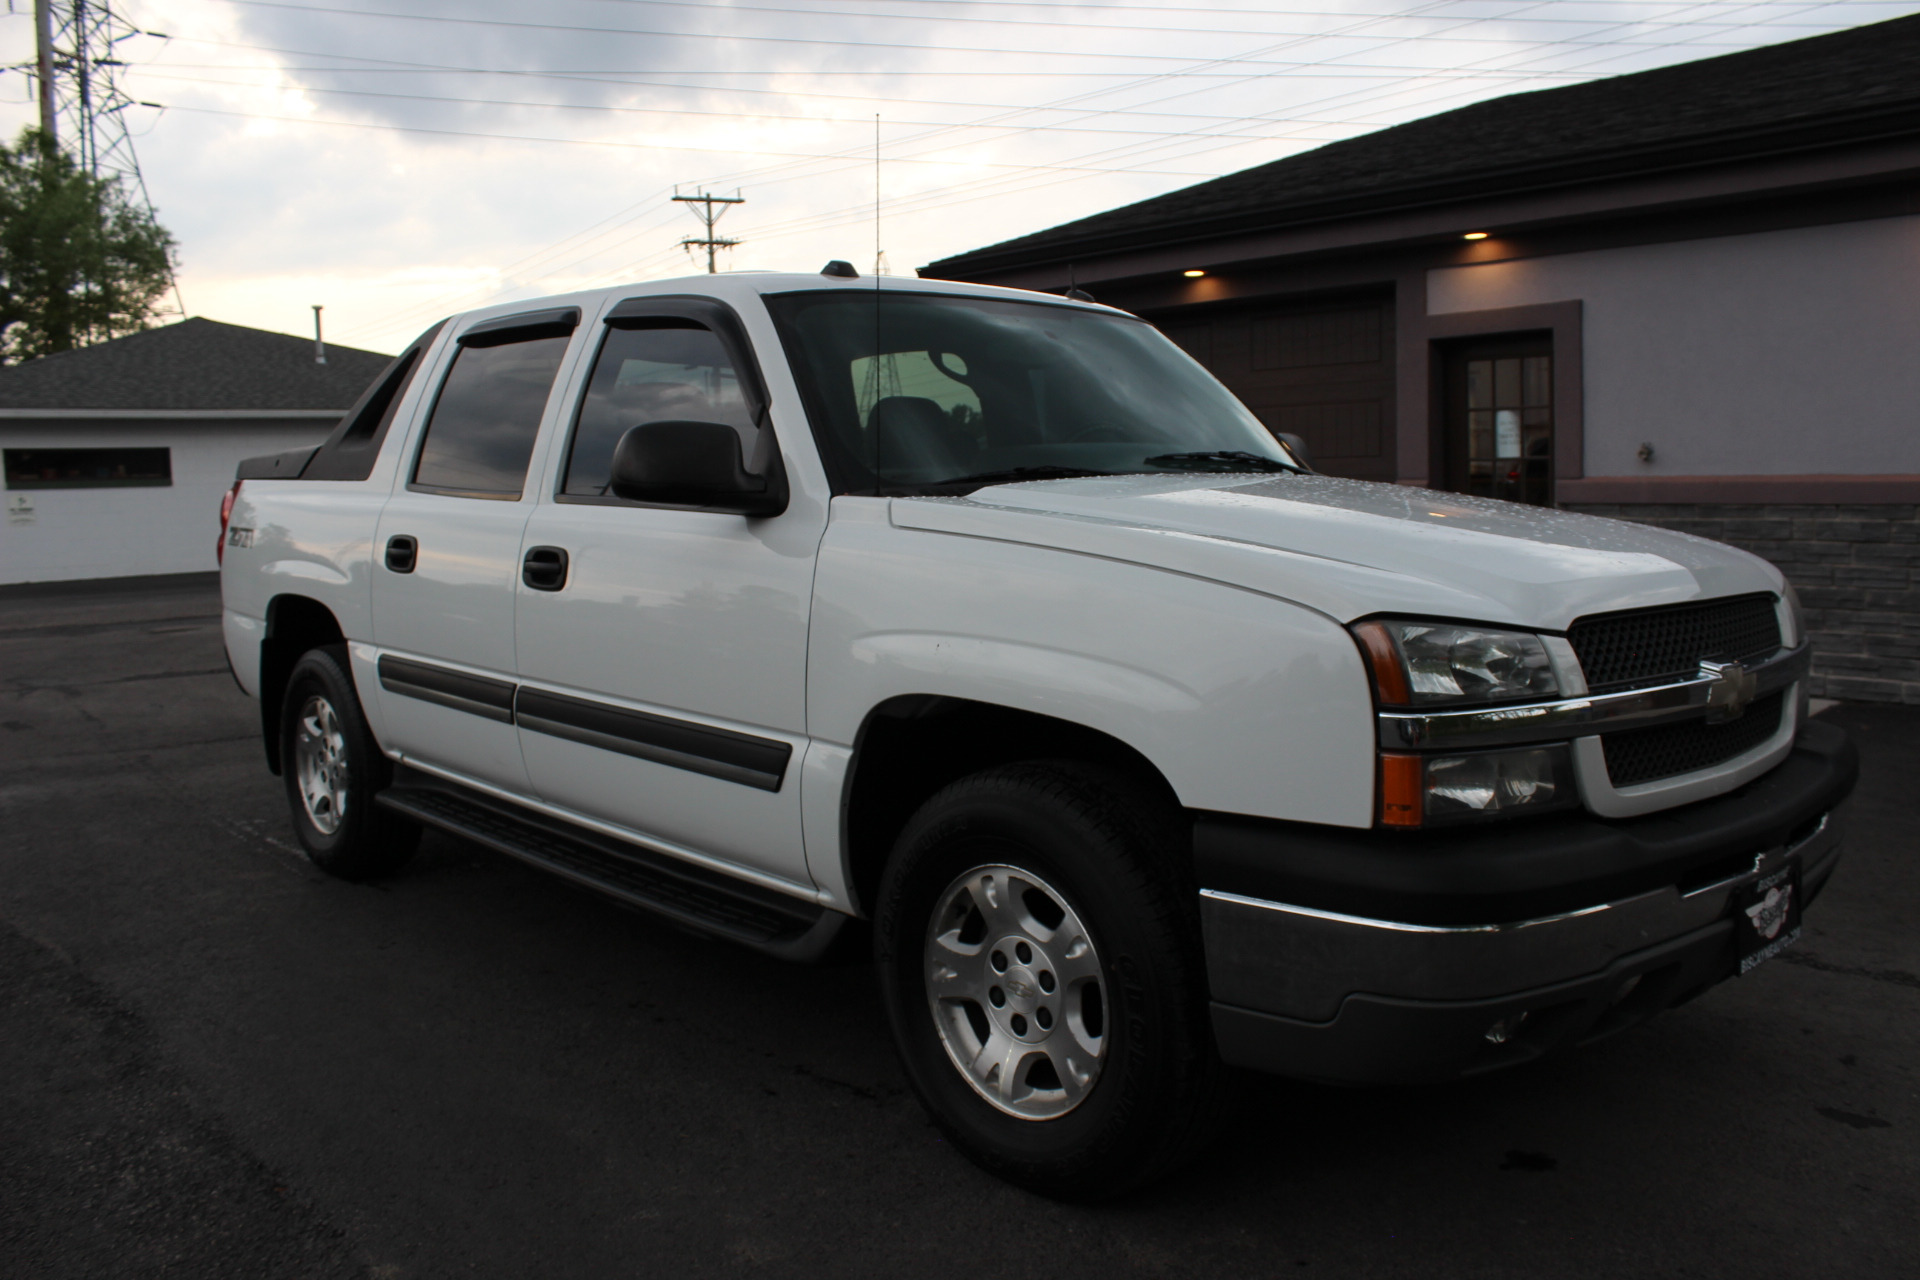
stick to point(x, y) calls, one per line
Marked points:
point(83, 109)
point(709, 215)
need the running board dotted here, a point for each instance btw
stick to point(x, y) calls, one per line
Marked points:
point(703, 901)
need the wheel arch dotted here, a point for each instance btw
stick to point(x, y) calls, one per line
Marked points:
point(295, 624)
point(911, 745)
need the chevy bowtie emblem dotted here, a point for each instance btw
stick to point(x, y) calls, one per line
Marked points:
point(1732, 689)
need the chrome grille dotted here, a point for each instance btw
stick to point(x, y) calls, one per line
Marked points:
point(1653, 646)
point(1668, 750)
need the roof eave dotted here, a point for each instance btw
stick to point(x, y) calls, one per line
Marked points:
point(1703, 152)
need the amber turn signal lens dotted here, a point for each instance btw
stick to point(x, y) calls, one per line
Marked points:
point(1389, 674)
point(1401, 784)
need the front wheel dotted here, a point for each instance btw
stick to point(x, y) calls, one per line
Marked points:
point(333, 769)
point(1038, 947)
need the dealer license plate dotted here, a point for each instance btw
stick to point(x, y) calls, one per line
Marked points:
point(1766, 916)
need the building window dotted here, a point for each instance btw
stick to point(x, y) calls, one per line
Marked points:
point(88, 468)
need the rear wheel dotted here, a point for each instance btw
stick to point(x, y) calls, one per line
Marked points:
point(1038, 946)
point(333, 768)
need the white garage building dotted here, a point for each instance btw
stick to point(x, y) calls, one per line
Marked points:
point(116, 455)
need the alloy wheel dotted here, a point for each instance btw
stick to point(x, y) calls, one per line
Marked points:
point(1017, 992)
point(320, 764)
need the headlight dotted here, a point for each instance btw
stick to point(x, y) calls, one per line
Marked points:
point(1425, 791)
point(1422, 663)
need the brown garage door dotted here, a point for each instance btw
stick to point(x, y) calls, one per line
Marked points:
point(1321, 369)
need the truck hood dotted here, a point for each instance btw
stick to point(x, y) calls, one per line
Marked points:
point(1350, 548)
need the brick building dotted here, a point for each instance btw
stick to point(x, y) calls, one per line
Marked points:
point(1688, 296)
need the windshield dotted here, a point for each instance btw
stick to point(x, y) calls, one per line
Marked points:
point(916, 392)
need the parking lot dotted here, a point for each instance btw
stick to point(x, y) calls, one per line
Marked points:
point(215, 1061)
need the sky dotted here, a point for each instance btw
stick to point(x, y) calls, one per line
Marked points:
point(397, 161)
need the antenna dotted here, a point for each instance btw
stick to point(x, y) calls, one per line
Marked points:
point(319, 346)
point(709, 215)
point(1074, 291)
point(883, 372)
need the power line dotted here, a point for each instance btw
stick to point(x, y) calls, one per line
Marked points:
point(1357, 70)
point(945, 15)
point(652, 33)
point(624, 146)
point(934, 133)
point(1036, 176)
point(1187, 11)
point(735, 115)
point(817, 221)
point(810, 72)
point(1004, 185)
point(937, 132)
point(1307, 71)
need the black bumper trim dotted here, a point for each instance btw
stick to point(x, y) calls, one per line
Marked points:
point(1384, 1040)
point(1525, 869)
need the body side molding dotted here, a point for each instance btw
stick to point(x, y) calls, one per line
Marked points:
point(477, 695)
point(720, 753)
point(744, 758)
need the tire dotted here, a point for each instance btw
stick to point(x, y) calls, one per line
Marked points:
point(1081, 1075)
point(333, 768)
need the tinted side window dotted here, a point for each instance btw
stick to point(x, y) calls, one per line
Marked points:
point(656, 374)
point(481, 433)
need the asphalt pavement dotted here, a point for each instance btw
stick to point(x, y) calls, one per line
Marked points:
point(217, 1062)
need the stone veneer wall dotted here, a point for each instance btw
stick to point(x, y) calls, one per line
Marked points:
point(1856, 567)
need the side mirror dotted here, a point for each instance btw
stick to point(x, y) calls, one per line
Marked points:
point(1297, 447)
point(694, 464)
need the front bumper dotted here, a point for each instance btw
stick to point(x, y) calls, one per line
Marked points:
point(1361, 957)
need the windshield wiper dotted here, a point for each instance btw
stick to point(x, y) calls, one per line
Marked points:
point(1047, 472)
point(1218, 460)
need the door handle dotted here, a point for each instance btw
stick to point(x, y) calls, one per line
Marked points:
point(402, 552)
point(544, 569)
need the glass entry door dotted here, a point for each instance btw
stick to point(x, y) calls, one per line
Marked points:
point(1499, 418)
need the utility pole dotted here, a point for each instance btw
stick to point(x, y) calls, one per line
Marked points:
point(709, 215)
point(43, 41)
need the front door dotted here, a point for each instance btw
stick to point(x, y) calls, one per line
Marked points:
point(663, 679)
point(1498, 411)
point(447, 556)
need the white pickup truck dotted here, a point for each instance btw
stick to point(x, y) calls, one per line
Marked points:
point(988, 626)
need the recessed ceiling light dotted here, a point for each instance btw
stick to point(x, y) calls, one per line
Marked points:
point(1194, 274)
point(1476, 235)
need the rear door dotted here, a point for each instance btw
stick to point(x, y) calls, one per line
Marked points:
point(447, 560)
point(663, 678)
